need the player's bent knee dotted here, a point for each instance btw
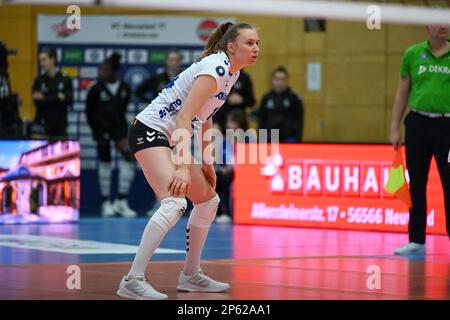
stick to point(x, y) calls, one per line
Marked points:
point(204, 213)
point(169, 212)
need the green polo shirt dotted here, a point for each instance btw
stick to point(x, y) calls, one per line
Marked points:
point(430, 78)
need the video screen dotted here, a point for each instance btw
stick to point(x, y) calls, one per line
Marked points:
point(39, 181)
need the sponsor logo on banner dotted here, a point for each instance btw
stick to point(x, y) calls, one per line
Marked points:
point(73, 55)
point(205, 28)
point(72, 72)
point(364, 179)
point(94, 55)
point(134, 76)
point(88, 72)
point(137, 56)
point(122, 52)
point(186, 56)
point(61, 29)
point(157, 56)
point(328, 186)
point(84, 83)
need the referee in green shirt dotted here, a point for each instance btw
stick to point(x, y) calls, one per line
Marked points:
point(425, 88)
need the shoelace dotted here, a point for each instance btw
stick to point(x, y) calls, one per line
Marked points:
point(140, 278)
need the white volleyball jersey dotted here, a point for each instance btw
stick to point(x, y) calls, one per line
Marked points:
point(161, 113)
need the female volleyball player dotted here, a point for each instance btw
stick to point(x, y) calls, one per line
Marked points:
point(187, 103)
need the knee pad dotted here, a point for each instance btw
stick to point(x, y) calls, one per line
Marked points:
point(169, 212)
point(203, 213)
point(104, 151)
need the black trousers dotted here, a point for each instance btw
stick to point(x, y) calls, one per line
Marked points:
point(426, 137)
point(224, 180)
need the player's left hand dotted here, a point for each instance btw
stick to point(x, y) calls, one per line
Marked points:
point(210, 174)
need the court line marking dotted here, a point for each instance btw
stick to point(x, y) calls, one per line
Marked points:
point(72, 246)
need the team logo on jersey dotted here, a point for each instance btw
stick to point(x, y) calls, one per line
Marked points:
point(140, 140)
point(270, 104)
point(173, 108)
point(104, 96)
point(424, 56)
point(221, 96)
point(220, 71)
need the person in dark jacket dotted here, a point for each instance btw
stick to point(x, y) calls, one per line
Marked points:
point(149, 88)
point(282, 109)
point(52, 95)
point(241, 97)
point(106, 107)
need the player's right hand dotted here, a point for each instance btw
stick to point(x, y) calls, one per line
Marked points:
point(396, 138)
point(180, 182)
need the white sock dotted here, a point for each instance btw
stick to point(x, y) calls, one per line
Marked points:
point(162, 221)
point(196, 232)
point(152, 237)
point(195, 241)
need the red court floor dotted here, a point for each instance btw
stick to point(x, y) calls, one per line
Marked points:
point(267, 263)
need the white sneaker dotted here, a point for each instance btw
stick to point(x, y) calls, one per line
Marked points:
point(200, 282)
point(107, 209)
point(411, 249)
point(138, 288)
point(223, 219)
point(121, 207)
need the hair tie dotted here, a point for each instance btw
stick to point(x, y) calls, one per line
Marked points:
point(226, 26)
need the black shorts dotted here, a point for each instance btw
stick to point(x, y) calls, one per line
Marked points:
point(142, 137)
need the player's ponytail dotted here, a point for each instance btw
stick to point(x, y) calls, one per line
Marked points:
point(219, 38)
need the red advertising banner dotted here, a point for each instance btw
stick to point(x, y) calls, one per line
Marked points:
point(328, 186)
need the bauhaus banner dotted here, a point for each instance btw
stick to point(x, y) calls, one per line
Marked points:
point(329, 186)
